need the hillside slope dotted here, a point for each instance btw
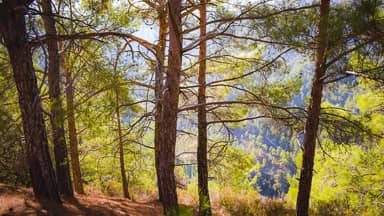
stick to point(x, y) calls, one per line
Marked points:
point(20, 201)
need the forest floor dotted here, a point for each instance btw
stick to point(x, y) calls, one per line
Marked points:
point(20, 201)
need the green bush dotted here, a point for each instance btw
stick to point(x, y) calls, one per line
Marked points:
point(331, 208)
point(250, 204)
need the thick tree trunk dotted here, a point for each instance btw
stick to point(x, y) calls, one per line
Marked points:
point(57, 111)
point(169, 113)
point(202, 162)
point(13, 33)
point(312, 123)
point(72, 134)
point(121, 149)
point(159, 71)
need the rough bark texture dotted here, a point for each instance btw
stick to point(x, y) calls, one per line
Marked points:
point(202, 162)
point(124, 180)
point(160, 55)
point(166, 173)
point(13, 33)
point(57, 112)
point(72, 134)
point(312, 123)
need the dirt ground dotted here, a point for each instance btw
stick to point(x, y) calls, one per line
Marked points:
point(20, 201)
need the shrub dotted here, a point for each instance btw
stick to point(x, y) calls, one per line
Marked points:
point(331, 208)
point(246, 203)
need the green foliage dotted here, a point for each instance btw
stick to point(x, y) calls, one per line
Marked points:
point(293, 28)
point(13, 165)
point(338, 207)
point(232, 168)
point(249, 203)
point(186, 211)
point(348, 179)
point(255, 158)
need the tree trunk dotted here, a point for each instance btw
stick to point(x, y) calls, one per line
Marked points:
point(202, 163)
point(13, 33)
point(159, 71)
point(312, 123)
point(57, 111)
point(72, 133)
point(169, 112)
point(121, 149)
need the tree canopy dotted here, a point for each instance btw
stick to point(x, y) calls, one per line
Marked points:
point(241, 107)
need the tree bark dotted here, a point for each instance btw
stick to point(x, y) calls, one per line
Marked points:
point(121, 148)
point(169, 112)
point(202, 162)
point(159, 72)
point(13, 33)
point(57, 112)
point(312, 123)
point(72, 134)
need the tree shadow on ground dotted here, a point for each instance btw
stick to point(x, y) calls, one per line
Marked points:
point(21, 201)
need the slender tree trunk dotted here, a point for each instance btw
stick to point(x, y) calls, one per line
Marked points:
point(13, 33)
point(312, 123)
point(166, 172)
point(72, 133)
point(202, 162)
point(57, 111)
point(159, 71)
point(121, 148)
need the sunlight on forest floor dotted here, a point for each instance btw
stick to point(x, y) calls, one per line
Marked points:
point(20, 201)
